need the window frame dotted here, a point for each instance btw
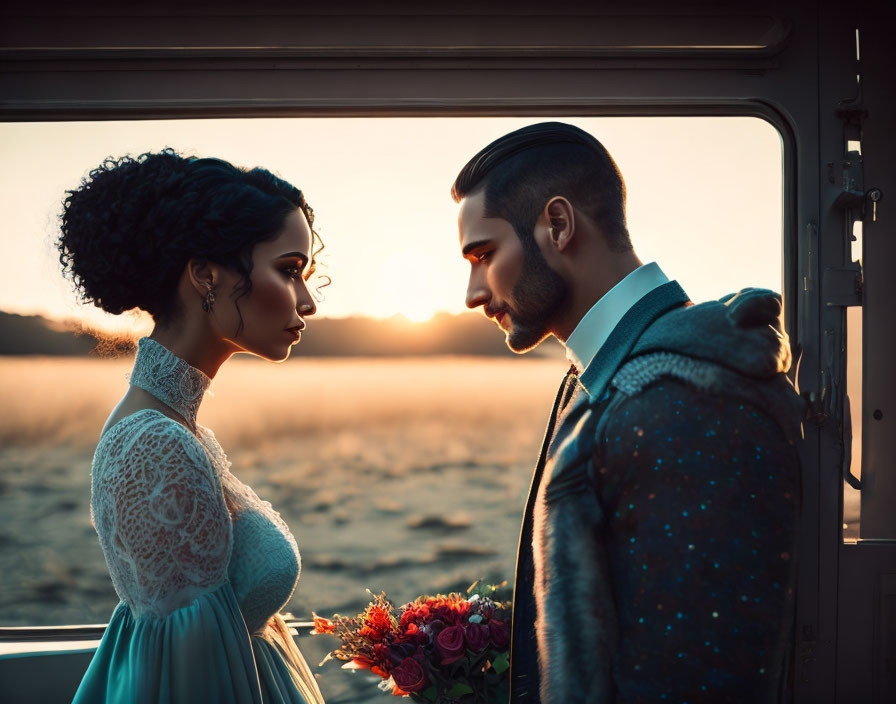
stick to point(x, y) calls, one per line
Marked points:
point(796, 83)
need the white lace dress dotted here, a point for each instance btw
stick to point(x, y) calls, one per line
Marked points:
point(201, 564)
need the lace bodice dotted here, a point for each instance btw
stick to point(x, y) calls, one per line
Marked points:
point(172, 520)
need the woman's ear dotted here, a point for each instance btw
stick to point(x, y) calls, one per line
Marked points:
point(561, 219)
point(203, 276)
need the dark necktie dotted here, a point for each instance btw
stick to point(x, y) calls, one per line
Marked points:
point(570, 392)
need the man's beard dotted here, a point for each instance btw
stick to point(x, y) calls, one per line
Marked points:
point(537, 296)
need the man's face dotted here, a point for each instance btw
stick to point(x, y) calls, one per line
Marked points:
point(517, 289)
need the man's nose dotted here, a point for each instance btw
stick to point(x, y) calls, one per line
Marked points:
point(477, 294)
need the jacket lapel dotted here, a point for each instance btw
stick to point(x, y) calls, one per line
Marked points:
point(524, 673)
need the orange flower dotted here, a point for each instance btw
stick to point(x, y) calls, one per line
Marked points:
point(322, 625)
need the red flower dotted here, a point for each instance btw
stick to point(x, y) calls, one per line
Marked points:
point(450, 609)
point(499, 634)
point(476, 636)
point(414, 613)
point(379, 618)
point(450, 643)
point(413, 634)
point(377, 661)
point(444, 613)
point(379, 654)
point(371, 634)
point(377, 622)
point(409, 676)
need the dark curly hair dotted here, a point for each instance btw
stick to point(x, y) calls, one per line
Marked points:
point(129, 229)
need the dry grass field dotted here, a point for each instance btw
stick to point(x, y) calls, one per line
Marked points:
point(407, 475)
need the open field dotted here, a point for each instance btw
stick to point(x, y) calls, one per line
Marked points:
point(407, 475)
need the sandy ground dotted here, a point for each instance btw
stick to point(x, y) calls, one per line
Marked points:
point(406, 475)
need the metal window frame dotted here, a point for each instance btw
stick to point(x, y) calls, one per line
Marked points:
point(795, 82)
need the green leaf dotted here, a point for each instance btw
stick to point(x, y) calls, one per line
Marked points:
point(459, 690)
point(431, 694)
point(502, 662)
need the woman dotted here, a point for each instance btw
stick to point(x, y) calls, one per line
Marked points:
point(219, 257)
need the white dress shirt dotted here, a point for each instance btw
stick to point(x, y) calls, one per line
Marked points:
point(595, 327)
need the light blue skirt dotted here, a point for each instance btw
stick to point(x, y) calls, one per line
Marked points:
point(199, 653)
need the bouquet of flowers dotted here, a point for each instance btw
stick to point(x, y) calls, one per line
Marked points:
point(437, 649)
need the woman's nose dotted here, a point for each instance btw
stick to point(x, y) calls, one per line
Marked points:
point(306, 306)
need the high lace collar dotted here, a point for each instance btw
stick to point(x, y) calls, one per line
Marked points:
point(169, 378)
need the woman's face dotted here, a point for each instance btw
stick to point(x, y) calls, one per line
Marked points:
point(273, 311)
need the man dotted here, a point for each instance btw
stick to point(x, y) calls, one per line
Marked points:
point(656, 555)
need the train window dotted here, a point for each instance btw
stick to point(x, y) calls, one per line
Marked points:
point(704, 201)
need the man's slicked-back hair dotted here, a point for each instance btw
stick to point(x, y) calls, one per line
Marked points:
point(522, 170)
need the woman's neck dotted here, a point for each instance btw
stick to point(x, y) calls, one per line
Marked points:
point(196, 347)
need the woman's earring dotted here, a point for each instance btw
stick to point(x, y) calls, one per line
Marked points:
point(209, 301)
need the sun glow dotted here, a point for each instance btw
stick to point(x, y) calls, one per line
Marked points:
point(413, 285)
point(379, 189)
point(418, 316)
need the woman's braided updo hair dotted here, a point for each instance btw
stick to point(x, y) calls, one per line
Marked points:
point(132, 225)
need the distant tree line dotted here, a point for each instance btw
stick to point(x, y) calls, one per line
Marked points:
point(444, 334)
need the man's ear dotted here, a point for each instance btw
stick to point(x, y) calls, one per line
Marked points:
point(561, 219)
point(203, 275)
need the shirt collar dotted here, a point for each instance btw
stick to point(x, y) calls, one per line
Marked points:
point(595, 327)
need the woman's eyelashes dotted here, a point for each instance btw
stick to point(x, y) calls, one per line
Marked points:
point(300, 270)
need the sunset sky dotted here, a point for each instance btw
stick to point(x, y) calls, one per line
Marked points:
point(704, 199)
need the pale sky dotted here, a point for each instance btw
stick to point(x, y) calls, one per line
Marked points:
point(704, 199)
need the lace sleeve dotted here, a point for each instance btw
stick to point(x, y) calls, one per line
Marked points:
point(160, 513)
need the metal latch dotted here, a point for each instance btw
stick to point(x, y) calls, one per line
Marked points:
point(852, 195)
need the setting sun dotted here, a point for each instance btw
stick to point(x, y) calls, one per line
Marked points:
point(412, 286)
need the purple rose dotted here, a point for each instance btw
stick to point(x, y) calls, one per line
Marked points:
point(499, 634)
point(450, 643)
point(409, 676)
point(477, 636)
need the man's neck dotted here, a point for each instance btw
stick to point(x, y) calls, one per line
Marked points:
point(590, 285)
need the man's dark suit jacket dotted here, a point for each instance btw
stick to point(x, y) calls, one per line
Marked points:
point(656, 558)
